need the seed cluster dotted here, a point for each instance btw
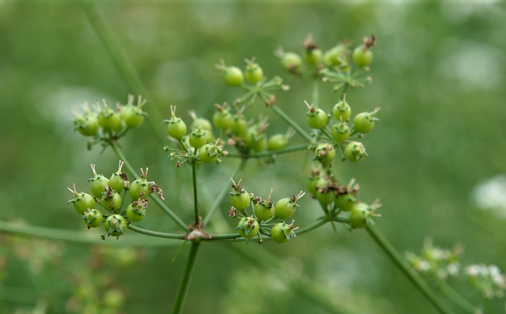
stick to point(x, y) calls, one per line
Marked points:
point(110, 193)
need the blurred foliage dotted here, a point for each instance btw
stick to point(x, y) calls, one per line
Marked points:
point(439, 76)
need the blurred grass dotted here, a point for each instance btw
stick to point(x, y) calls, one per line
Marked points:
point(438, 75)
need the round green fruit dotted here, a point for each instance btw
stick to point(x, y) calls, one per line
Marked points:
point(253, 72)
point(291, 61)
point(222, 119)
point(139, 189)
point(364, 122)
point(264, 210)
point(355, 151)
point(132, 115)
point(82, 201)
point(325, 153)
point(99, 183)
point(248, 227)
point(346, 202)
point(111, 200)
point(277, 142)
point(239, 125)
point(312, 57)
point(362, 57)
point(342, 111)
point(234, 76)
point(109, 119)
point(115, 225)
point(282, 232)
point(240, 199)
point(198, 138)
point(360, 215)
point(340, 132)
point(135, 213)
point(209, 153)
point(316, 118)
point(87, 124)
point(93, 218)
point(175, 126)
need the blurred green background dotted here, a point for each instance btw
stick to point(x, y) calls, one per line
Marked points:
point(438, 75)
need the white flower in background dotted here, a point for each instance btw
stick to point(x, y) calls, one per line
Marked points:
point(491, 195)
point(488, 280)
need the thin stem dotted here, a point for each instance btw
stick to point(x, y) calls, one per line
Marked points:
point(311, 227)
point(292, 123)
point(156, 233)
point(316, 92)
point(122, 62)
point(164, 207)
point(195, 192)
point(324, 131)
point(406, 269)
point(223, 192)
point(76, 236)
point(183, 286)
point(270, 153)
point(456, 297)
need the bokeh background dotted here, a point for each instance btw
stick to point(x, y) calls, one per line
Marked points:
point(436, 156)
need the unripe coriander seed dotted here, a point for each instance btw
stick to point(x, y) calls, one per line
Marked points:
point(285, 207)
point(175, 126)
point(315, 118)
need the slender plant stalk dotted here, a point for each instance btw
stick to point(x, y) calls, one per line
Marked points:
point(222, 193)
point(164, 207)
point(290, 149)
point(292, 123)
point(195, 193)
point(122, 62)
point(456, 297)
point(406, 269)
point(316, 93)
point(157, 234)
point(77, 236)
point(185, 281)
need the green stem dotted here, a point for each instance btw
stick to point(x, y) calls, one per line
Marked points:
point(292, 123)
point(324, 131)
point(406, 269)
point(156, 233)
point(456, 297)
point(316, 92)
point(76, 236)
point(311, 227)
point(122, 62)
point(164, 207)
point(222, 193)
point(195, 193)
point(183, 286)
point(270, 153)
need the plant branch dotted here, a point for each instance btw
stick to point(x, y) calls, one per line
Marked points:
point(222, 193)
point(185, 281)
point(270, 153)
point(164, 207)
point(406, 269)
point(195, 192)
point(122, 62)
point(156, 233)
point(456, 297)
point(292, 123)
point(76, 236)
point(316, 92)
